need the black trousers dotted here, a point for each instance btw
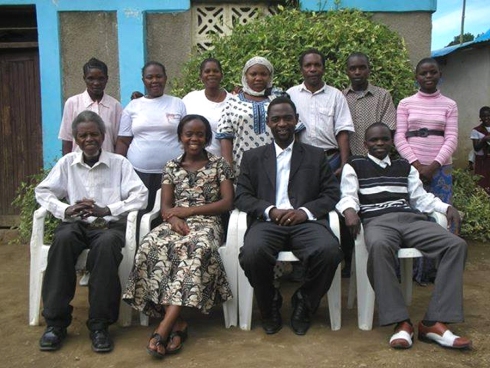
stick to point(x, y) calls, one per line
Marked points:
point(103, 260)
point(312, 243)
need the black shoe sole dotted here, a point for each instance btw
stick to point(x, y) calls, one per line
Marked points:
point(272, 332)
point(102, 350)
point(50, 348)
point(299, 333)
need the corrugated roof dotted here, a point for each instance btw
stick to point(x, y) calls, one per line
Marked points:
point(448, 50)
point(483, 37)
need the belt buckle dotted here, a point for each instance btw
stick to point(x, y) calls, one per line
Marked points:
point(423, 132)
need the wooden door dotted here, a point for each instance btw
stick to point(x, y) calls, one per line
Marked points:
point(21, 152)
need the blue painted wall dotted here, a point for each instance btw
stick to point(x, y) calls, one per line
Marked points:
point(371, 5)
point(131, 46)
point(132, 42)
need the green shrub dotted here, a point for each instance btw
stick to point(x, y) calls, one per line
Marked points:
point(25, 200)
point(474, 202)
point(282, 37)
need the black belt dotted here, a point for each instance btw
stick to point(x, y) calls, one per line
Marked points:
point(331, 151)
point(424, 132)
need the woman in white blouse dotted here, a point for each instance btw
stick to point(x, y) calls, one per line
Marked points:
point(210, 101)
point(148, 129)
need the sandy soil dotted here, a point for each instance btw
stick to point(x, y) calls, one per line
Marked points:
point(211, 345)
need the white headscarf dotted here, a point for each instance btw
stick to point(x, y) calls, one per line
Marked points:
point(256, 60)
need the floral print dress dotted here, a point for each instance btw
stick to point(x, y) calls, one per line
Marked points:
point(171, 269)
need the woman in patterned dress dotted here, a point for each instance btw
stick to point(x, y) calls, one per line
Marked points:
point(243, 123)
point(177, 265)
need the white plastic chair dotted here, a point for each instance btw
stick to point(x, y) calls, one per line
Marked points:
point(365, 292)
point(39, 260)
point(245, 290)
point(228, 256)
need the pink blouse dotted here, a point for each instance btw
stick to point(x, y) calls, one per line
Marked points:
point(432, 111)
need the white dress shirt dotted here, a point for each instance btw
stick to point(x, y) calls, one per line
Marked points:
point(283, 169)
point(322, 115)
point(111, 182)
point(419, 199)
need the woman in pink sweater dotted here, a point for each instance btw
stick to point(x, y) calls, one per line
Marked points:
point(427, 131)
point(427, 136)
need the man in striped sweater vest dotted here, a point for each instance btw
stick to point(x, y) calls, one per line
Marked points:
point(388, 197)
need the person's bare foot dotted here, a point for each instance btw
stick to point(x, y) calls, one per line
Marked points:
point(158, 342)
point(177, 337)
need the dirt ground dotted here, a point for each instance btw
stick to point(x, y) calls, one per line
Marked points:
point(211, 345)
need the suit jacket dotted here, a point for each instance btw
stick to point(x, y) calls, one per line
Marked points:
point(311, 181)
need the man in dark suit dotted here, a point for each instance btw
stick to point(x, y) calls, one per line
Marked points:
point(287, 188)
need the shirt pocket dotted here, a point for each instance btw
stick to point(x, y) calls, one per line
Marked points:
point(326, 111)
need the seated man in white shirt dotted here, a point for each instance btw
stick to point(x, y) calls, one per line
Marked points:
point(100, 189)
point(389, 198)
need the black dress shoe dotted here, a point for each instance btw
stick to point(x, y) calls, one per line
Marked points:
point(101, 341)
point(272, 321)
point(52, 338)
point(300, 319)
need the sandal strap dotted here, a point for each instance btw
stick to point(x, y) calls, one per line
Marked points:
point(158, 339)
point(181, 334)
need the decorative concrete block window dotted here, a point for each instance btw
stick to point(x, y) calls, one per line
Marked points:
point(219, 17)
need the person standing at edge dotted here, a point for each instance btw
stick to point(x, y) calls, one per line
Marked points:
point(480, 136)
point(324, 116)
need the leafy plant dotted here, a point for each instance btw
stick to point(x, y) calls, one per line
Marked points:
point(25, 200)
point(282, 37)
point(474, 202)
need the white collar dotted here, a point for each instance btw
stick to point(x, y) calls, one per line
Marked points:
point(279, 150)
point(383, 163)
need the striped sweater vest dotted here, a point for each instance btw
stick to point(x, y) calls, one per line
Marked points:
point(382, 190)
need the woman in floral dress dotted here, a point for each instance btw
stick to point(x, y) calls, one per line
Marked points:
point(177, 265)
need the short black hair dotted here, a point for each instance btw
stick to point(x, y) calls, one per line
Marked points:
point(188, 118)
point(87, 116)
point(484, 109)
point(427, 60)
point(94, 63)
point(360, 55)
point(149, 63)
point(374, 125)
point(311, 51)
point(281, 100)
point(209, 60)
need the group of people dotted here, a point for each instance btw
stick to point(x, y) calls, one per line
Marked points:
point(279, 158)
